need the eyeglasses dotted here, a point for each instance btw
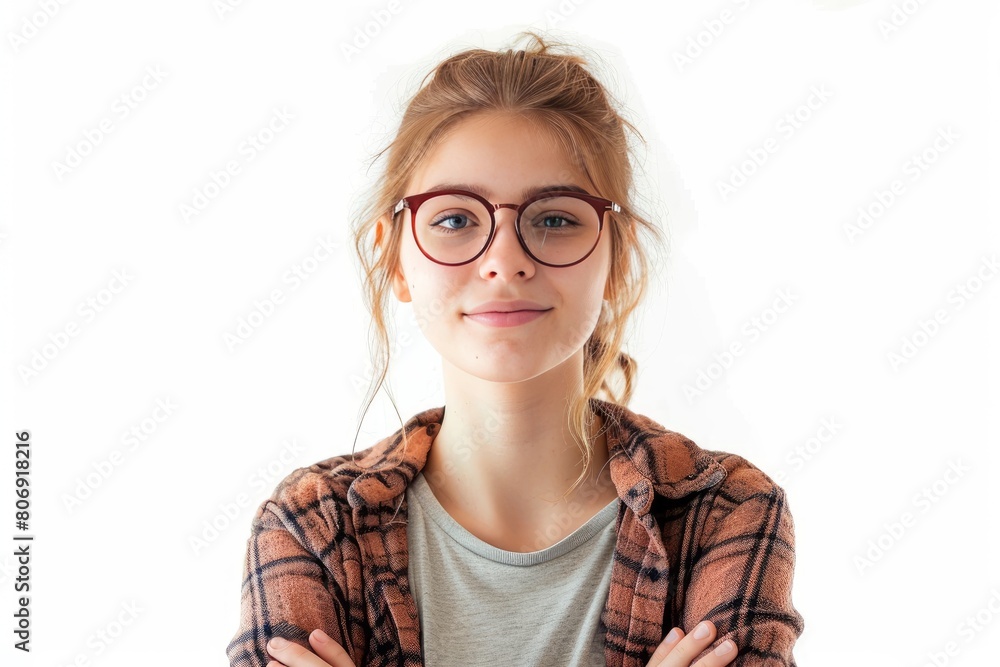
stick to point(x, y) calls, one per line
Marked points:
point(556, 228)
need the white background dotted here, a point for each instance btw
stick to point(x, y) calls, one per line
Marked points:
point(299, 376)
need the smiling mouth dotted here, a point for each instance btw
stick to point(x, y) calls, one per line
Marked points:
point(507, 319)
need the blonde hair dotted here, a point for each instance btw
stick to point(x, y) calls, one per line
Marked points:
point(557, 90)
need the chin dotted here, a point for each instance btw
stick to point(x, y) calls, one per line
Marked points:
point(499, 369)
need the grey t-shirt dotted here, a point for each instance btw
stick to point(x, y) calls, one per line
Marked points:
point(480, 605)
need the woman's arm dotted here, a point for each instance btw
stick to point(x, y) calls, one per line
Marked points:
point(286, 592)
point(741, 578)
point(676, 650)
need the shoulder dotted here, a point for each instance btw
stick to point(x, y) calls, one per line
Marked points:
point(645, 455)
point(305, 486)
point(333, 489)
point(743, 480)
point(746, 507)
point(311, 502)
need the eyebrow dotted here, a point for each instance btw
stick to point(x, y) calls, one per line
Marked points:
point(525, 194)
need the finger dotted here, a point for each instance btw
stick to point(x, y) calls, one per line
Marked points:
point(683, 653)
point(687, 648)
point(329, 650)
point(665, 647)
point(723, 654)
point(293, 655)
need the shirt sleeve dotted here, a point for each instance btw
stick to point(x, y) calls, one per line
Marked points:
point(287, 591)
point(741, 579)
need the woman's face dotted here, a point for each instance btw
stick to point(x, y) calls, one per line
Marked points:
point(503, 156)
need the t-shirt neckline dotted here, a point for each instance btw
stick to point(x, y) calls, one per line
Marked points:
point(421, 492)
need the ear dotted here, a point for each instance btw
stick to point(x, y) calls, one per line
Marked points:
point(399, 285)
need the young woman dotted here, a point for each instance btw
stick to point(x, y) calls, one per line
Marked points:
point(528, 521)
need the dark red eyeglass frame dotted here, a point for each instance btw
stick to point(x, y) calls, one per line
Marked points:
point(413, 202)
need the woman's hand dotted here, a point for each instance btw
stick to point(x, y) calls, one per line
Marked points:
point(676, 650)
point(328, 653)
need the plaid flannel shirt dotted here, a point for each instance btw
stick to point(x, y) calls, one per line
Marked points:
point(700, 535)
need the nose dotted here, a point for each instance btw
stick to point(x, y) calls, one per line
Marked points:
point(505, 258)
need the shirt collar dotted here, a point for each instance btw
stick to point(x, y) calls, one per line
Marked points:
point(644, 458)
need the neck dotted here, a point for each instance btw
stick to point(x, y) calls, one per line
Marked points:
point(504, 455)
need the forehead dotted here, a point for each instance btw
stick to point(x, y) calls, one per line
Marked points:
point(502, 155)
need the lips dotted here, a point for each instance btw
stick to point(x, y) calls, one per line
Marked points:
point(506, 319)
point(507, 307)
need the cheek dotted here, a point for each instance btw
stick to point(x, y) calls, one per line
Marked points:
point(435, 295)
point(585, 302)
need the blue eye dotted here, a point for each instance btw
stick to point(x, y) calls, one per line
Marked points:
point(569, 223)
point(446, 218)
point(452, 221)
